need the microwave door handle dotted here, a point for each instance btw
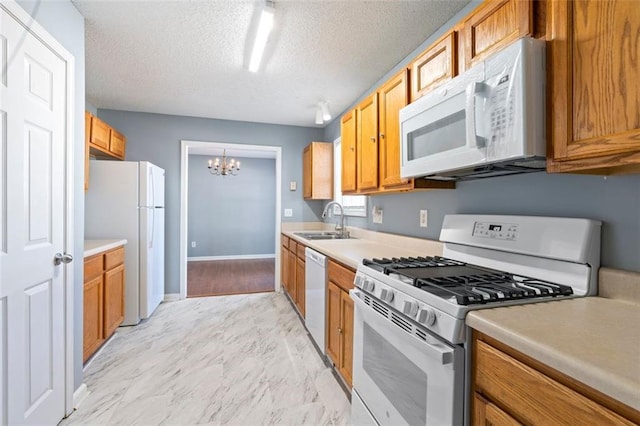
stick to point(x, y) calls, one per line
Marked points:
point(474, 90)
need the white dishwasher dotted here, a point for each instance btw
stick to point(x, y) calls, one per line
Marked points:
point(315, 277)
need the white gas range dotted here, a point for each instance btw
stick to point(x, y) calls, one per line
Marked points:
point(410, 338)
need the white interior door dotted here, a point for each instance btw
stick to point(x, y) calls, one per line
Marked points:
point(33, 102)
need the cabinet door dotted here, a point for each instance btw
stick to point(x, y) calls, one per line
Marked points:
point(284, 268)
point(291, 264)
point(113, 299)
point(346, 337)
point(494, 25)
point(392, 97)
point(487, 414)
point(117, 144)
point(367, 143)
point(348, 151)
point(593, 80)
point(100, 133)
point(300, 285)
point(438, 64)
point(92, 317)
point(333, 322)
point(307, 173)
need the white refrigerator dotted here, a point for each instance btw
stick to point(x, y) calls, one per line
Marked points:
point(126, 200)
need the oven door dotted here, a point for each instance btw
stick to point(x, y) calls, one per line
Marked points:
point(400, 378)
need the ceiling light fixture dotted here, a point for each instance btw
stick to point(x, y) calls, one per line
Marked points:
point(319, 119)
point(224, 168)
point(326, 115)
point(262, 35)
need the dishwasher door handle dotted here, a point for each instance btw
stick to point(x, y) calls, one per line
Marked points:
point(315, 256)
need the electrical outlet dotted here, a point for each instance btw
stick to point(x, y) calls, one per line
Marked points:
point(288, 212)
point(193, 244)
point(423, 218)
point(293, 185)
point(377, 215)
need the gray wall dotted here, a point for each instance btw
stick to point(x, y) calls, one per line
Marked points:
point(232, 215)
point(156, 138)
point(614, 200)
point(64, 22)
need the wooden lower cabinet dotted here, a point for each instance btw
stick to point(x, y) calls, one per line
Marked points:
point(510, 388)
point(113, 299)
point(93, 318)
point(339, 321)
point(300, 285)
point(103, 298)
point(293, 269)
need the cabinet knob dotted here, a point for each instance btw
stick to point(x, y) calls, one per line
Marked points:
point(373, 139)
point(339, 331)
point(352, 149)
point(381, 135)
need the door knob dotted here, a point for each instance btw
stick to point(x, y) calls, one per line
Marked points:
point(59, 258)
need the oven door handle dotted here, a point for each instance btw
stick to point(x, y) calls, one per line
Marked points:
point(435, 350)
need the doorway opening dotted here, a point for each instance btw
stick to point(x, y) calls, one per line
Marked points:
point(229, 225)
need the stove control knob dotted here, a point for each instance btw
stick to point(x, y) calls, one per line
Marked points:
point(386, 295)
point(410, 308)
point(369, 285)
point(426, 316)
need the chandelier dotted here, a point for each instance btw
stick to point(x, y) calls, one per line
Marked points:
point(224, 168)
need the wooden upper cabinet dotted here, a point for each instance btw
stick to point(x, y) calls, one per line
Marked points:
point(593, 85)
point(494, 25)
point(317, 166)
point(105, 142)
point(436, 65)
point(367, 143)
point(117, 144)
point(100, 133)
point(348, 151)
point(392, 96)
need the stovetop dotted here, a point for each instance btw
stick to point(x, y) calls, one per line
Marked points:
point(463, 284)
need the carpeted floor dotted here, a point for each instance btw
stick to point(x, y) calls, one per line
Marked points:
point(223, 277)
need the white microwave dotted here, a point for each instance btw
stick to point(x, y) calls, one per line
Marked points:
point(488, 121)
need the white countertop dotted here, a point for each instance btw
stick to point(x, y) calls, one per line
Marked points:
point(92, 247)
point(365, 245)
point(595, 340)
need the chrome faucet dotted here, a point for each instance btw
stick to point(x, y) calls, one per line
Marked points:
point(339, 226)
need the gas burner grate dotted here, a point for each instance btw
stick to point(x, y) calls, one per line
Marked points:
point(490, 287)
point(387, 266)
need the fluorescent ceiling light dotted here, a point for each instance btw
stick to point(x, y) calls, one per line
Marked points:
point(326, 116)
point(264, 28)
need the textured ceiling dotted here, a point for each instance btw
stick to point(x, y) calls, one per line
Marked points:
point(190, 57)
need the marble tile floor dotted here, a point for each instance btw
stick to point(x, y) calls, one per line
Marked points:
point(236, 360)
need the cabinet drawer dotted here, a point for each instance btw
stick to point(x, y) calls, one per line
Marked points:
point(114, 258)
point(301, 254)
point(341, 276)
point(285, 241)
point(93, 267)
point(293, 246)
point(532, 397)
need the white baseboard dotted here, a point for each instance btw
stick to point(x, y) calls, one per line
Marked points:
point(233, 257)
point(171, 297)
point(79, 395)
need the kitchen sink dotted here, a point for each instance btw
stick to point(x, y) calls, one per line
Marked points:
point(322, 235)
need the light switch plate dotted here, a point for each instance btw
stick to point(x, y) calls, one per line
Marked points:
point(293, 185)
point(288, 212)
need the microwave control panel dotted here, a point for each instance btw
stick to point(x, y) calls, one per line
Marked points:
point(497, 231)
point(501, 100)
